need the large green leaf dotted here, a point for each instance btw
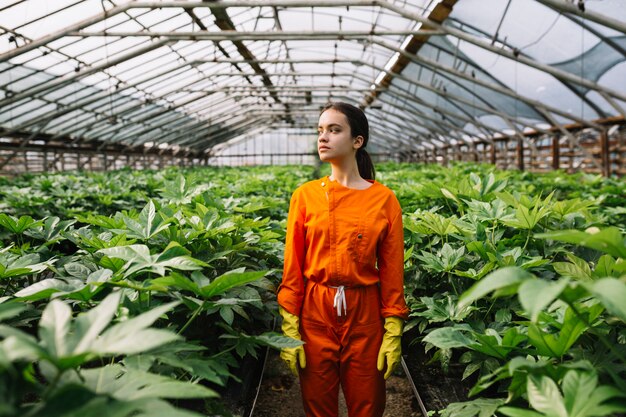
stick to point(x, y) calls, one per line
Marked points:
point(612, 294)
point(124, 384)
point(138, 258)
point(149, 223)
point(276, 340)
point(54, 327)
point(90, 324)
point(445, 260)
point(46, 287)
point(558, 344)
point(79, 289)
point(577, 389)
point(544, 396)
point(582, 397)
point(434, 223)
point(14, 265)
point(180, 191)
point(605, 267)
point(230, 280)
point(609, 240)
point(177, 281)
point(76, 400)
point(17, 226)
point(481, 407)
point(9, 310)
point(492, 344)
point(68, 344)
point(19, 346)
point(502, 278)
point(447, 337)
point(519, 412)
point(133, 335)
point(537, 294)
point(51, 230)
point(528, 219)
point(577, 268)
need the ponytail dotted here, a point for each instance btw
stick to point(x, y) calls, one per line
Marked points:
point(364, 162)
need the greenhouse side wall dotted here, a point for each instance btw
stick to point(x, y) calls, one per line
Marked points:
point(591, 151)
point(582, 149)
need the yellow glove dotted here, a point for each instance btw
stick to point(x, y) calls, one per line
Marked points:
point(391, 347)
point(291, 328)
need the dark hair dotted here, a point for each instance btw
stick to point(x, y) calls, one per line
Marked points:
point(358, 127)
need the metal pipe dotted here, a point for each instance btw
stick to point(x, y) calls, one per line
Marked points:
point(58, 82)
point(262, 36)
point(558, 73)
point(569, 7)
point(506, 91)
point(185, 5)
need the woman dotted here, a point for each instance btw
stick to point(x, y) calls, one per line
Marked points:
point(342, 288)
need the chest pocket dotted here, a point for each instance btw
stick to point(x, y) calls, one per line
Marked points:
point(360, 239)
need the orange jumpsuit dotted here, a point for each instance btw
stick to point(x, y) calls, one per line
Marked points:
point(343, 273)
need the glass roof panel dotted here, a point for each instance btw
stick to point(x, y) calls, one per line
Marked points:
point(35, 18)
point(533, 28)
point(149, 92)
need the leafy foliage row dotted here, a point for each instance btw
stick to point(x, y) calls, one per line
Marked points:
point(124, 289)
point(121, 290)
point(550, 249)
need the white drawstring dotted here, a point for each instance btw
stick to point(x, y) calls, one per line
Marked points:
point(340, 300)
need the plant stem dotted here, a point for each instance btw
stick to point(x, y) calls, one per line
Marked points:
point(6, 287)
point(192, 318)
point(52, 385)
point(489, 309)
point(527, 240)
point(448, 204)
point(456, 292)
point(224, 351)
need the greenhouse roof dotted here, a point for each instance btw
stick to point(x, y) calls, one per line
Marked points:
point(198, 74)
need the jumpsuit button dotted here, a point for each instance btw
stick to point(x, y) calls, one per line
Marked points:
point(359, 236)
point(323, 183)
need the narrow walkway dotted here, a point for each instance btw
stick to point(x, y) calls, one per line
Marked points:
point(280, 394)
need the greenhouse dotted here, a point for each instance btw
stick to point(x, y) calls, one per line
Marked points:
point(153, 155)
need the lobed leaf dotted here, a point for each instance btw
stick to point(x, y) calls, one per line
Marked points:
point(502, 278)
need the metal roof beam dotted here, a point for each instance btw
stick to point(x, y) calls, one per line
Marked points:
point(494, 87)
point(439, 13)
point(569, 7)
point(486, 44)
point(174, 4)
point(61, 81)
point(237, 36)
point(504, 42)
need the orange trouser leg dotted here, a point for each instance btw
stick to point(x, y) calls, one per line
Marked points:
point(342, 350)
point(319, 381)
point(363, 385)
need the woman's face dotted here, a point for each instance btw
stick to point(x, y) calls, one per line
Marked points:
point(334, 139)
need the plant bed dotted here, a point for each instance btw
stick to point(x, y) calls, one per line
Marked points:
point(238, 395)
point(436, 387)
point(280, 396)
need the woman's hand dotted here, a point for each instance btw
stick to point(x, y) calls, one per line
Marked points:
point(291, 328)
point(391, 347)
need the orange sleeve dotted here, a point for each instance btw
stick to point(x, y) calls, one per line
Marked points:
point(291, 289)
point(391, 270)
